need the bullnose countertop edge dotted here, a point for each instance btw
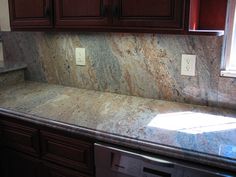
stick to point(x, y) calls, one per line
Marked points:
point(128, 142)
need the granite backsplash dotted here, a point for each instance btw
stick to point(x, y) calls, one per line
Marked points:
point(146, 65)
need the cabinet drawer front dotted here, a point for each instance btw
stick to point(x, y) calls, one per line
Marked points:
point(67, 151)
point(52, 170)
point(21, 138)
point(150, 13)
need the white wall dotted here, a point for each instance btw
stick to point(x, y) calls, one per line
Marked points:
point(4, 16)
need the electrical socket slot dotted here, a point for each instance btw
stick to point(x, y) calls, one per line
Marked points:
point(80, 56)
point(188, 65)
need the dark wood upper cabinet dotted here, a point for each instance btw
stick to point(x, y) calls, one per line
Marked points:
point(163, 14)
point(81, 13)
point(120, 14)
point(30, 14)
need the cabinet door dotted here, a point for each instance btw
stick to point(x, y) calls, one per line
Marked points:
point(30, 14)
point(81, 13)
point(21, 138)
point(158, 14)
point(17, 164)
point(52, 170)
point(66, 151)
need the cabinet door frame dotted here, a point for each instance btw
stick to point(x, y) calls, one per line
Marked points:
point(103, 20)
point(53, 145)
point(45, 22)
point(21, 138)
point(173, 22)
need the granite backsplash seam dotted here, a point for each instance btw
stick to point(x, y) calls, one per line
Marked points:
point(146, 65)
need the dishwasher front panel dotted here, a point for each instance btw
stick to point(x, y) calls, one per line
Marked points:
point(113, 162)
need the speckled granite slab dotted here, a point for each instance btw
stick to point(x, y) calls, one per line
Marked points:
point(8, 67)
point(201, 134)
point(11, 77)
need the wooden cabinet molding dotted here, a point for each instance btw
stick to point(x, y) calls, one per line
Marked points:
point(81, 13)
point(67, 151)
point(21, 138)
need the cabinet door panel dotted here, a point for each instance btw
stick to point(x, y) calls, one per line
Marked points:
point(149, 8)
point(81, 13)
point(21, 138)
point(52, 170)
point(149, 13)
point(30, 14)
point(17, 164)
point(67, 151)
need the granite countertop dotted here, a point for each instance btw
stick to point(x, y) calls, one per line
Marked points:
point(201, 134)
point(9, 67)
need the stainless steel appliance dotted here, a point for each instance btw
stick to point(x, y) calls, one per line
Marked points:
point(115, 162)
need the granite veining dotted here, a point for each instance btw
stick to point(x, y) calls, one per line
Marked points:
point(9, 67)
point(188, 130)
point(146, 65)
point(11, 77)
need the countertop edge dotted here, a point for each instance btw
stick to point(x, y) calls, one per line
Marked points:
point(14, 68)
point(171, 152)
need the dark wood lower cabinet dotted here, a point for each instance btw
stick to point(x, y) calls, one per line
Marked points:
point(66, 151)
point(28, 150)
point(52, 170)
point(17, 164)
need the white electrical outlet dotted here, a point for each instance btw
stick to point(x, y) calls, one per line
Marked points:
point(188, 65)
point(80, 56)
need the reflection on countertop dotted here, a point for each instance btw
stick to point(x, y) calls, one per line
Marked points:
point(180, 127)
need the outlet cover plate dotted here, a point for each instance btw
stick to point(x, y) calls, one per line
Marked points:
point(80, 56)
point(188, 65)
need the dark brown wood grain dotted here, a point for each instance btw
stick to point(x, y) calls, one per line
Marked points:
point(66, 151)
point(30, 150)
point(18, 164)
point(21, 138)
point(161, 14)
point(79, 13)
point(35, 14)
point(52, 170)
